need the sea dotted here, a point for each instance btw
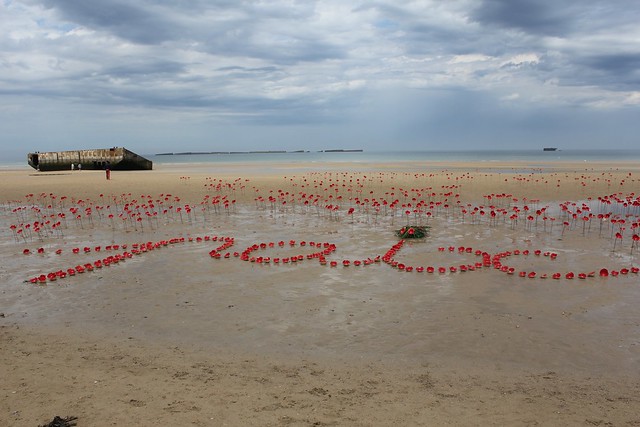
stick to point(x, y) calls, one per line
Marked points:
point(317, 158)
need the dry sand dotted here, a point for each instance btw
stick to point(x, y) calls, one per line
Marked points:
point(173, 336)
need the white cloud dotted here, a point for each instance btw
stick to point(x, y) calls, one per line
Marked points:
point(521, 59)
point(461, 59)
point(511, 97)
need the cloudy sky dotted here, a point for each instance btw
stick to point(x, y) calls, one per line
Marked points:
point(208, 75)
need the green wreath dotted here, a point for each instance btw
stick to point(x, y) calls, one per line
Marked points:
point(413, 232)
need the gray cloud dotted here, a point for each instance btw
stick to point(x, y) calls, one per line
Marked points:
point(535, 17)
point(616, 71)
point(133, 21)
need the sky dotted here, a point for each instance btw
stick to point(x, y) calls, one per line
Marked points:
point(232, 75)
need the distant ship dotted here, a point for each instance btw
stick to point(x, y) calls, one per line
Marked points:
point(116, 158)
point(549, 149)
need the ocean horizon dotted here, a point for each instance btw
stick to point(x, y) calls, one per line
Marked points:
point(365, 156)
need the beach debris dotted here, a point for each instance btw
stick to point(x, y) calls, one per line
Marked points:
point(61, 422)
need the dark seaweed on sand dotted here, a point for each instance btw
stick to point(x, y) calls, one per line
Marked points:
point(61, 422)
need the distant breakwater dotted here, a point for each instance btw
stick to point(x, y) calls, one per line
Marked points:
point(258, 152)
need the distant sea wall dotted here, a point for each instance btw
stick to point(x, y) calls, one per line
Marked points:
point(187, 153)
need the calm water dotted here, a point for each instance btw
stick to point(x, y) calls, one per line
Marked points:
point(481, 156)
point(405, 156)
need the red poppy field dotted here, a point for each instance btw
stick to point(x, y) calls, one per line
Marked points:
point(351, 204)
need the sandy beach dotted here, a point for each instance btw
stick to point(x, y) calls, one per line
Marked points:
point(283, 296)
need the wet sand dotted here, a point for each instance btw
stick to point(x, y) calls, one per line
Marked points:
point(173, 335)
